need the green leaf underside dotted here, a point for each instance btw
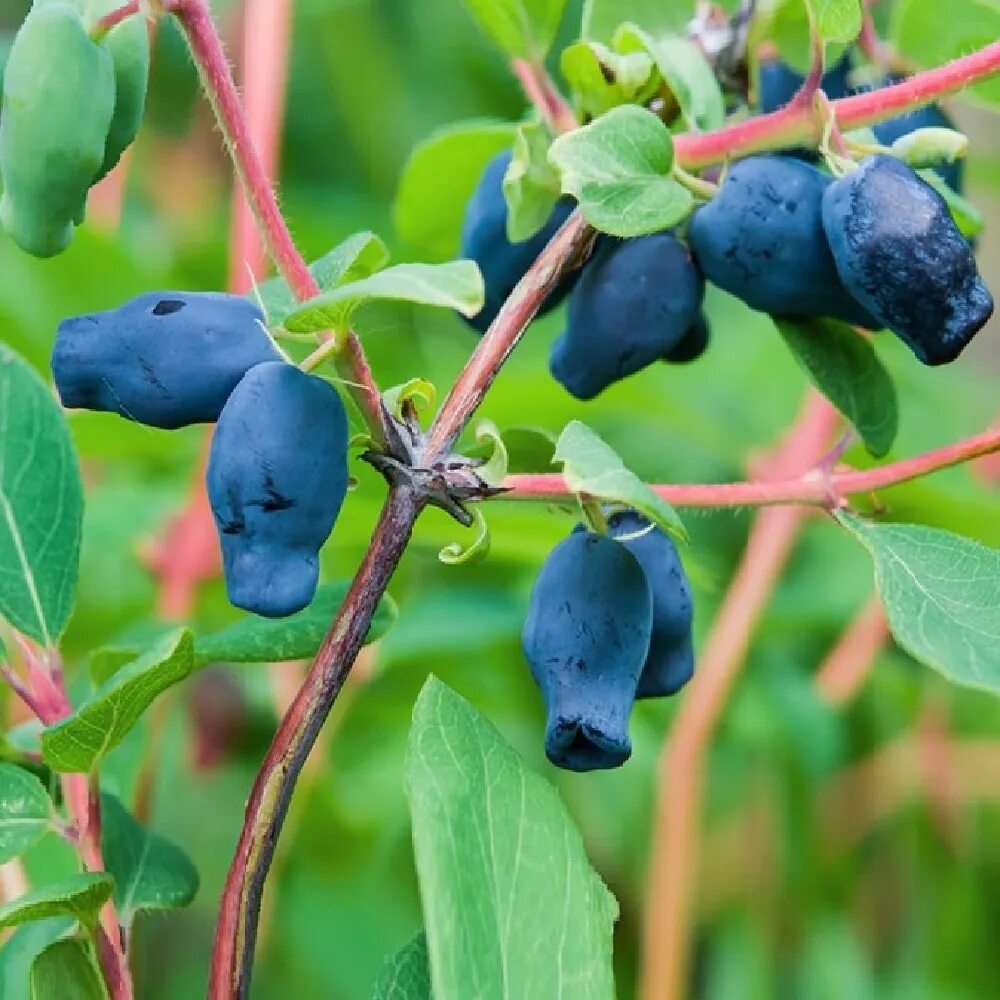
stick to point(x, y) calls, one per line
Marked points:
point(531, 184)
point(357, 257)
point(80, 898)
point(455, 285)
point(150, 872)
point(25, 811)
point(102, 722)
point(512, 906)
point(429, 214)
point(298, 637)
point(618, 167)
point(406, 975)
point(41, 505)
point(66, 971)
point(941, 594)
point(843, 365)
point(524, 28)
point(593, 468)
point(686, 72)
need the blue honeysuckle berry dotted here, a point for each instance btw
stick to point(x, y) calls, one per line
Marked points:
point(634, 304)
point(165, 359)
point(277, 477)
point(900, 254)
point(586, 638)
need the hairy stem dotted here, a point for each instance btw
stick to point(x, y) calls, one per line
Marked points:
point(236, 932)
point(671, 882)
point(813, 488)
point(196, 21)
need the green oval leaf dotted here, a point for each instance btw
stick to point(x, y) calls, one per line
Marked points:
point(603, 79)
point(837, 20)
point(356, 257)
point(41, 505)
point(80, 898)
point(298, 637)
point(524, 28)
point(66, 969)
point(150, 873)
point(484, 828)
point(25, 811)
point(531, 184)
point(618, 168)
point(406, 975)
point(428, 213)
point(843, 365)
point(455, 285)
point(593, 469)
point(81, 741)
point(941, 593)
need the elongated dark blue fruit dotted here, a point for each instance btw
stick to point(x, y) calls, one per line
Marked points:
point(761, 239)
point(692, 345)
point(900, 254)
point(504, 264)
point(587, 637)
point(634, 304)
point(779, 83)
point(277, 477)
point(166, 359)
point(670, 663)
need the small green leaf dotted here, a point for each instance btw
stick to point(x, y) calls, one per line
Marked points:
point(687, 74)
point(428, 213)
point(25, 811)
point(941, 593)
point(529, 449)
point(263, 640)
point(603, 79)
point(103, 721)
point(66, 970)
point(80, 897)
point(19, 951)
point(495, 467)
point(523, 28)
point(356, 257)
point(485, 829)
point(932, 32)
point(931, 147)
point(531, 184)
point(843, 365)
point(406, 975)
point(602, 18)
point(41, 505)
point(416, 391)
point(837, 20)
point(618, 168)
point(150, 873)
point(456, 554)
point(455, 285)
point(593, 469)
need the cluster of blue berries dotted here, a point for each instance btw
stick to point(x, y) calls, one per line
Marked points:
point(877, 248)
point(277, 474)
point(609, 622)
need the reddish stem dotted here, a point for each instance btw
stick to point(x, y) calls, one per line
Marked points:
point(849, 663)
point(203, 39)
point(811, 489)
point(675, 847)
point(115, 17)
point(792, 126)
point(542, 92)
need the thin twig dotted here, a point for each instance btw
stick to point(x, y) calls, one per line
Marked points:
point(842, 673)
point(542, 92)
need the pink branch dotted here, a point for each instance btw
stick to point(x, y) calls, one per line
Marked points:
point(541, 91)
point(196, 21)
point(796, 125)
point(849, 663)
point(115, 17)
point(811, 489)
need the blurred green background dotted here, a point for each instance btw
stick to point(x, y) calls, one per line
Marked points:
point(821, 876)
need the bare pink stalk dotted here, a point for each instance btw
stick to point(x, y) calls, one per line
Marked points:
point(671, 881)
point(813, 488)
point(115, 17)
point(195, 18)
point(844, 671)
point(542, 92)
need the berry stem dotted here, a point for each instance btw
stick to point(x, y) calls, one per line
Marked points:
point(796, 126)
point(671, 881)
point(236, 931)
point(810, 489)
point(113, 18)
point(203, 39)
point(542, 92)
